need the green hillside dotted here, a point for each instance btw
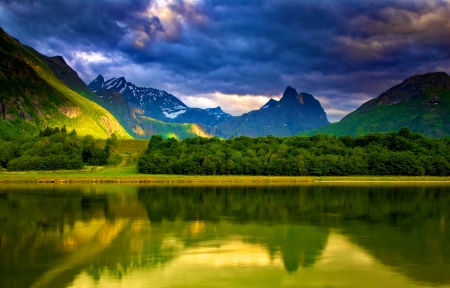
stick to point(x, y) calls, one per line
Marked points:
point(114, 102)
point(152, 126)
point(421, 103)
point(32, 97)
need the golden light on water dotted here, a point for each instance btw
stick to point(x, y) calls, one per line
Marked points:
point(235, 263)
point(110, 242)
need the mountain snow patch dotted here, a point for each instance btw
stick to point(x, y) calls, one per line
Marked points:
point(172, 115)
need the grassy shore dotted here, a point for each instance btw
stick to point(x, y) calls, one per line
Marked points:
point(130, 174)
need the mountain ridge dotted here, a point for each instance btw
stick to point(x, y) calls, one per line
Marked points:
point(420, 102)
point(159, 104)
point(32, 97)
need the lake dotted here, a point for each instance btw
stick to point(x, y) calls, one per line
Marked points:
point(317, 235)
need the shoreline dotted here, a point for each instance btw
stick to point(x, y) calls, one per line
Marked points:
point(130, 175)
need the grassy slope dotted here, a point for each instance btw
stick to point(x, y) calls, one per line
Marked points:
point(28, 85)
point(418, 115)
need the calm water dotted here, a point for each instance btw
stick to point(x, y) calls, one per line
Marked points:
point(224, 236)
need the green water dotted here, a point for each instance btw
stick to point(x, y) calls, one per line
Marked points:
point(225, 236)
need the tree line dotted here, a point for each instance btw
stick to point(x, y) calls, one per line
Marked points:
point(393, 153)
point(53, 149)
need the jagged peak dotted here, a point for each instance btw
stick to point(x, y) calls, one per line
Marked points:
point(289, 90)
point(99, 77)
point(97, 83)
point(271, 103)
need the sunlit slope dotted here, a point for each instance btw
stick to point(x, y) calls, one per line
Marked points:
point(144, 127)
point(117, 105)
point(421, 103)
point(152, 126)
point(32, 97)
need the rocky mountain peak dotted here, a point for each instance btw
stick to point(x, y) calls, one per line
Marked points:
point(155, 103)
point(216, 110)
point(270, 104)
point(100, 78)
point(289, 93)
point(97, 83)
point(291, 97)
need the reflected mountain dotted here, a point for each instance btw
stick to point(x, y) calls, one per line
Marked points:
point(59, 233)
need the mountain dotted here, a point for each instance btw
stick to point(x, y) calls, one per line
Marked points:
point(130, 118)
point(32, 97)
point(154, 103)
point(141, 126)
point(271, 104)
point(208, 116)
point(292, 114)
point(65, 73)
point(159, 104)
point(421, 103)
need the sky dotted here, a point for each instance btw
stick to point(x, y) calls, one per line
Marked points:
point(238, 54)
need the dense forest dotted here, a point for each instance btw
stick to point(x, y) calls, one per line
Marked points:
point(53, 149)
point(393, 153)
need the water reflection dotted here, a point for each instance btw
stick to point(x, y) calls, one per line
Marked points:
point(257, 236)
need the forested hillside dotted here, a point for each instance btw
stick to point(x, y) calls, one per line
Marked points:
point(402, 153)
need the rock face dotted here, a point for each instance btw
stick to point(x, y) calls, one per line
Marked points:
point(159, 104)
point(421, 103)
point(292, 114)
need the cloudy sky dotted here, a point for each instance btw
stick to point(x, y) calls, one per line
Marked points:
point(240, 53)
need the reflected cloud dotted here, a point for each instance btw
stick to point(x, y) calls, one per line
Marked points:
point(227, 253)
point(234, 263)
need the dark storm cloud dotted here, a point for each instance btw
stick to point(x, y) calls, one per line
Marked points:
point(346, 51)
point(99, 23)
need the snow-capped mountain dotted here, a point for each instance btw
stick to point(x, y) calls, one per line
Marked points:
point(155, 103)
point(159, 104)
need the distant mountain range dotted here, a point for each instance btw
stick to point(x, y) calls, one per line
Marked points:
point(293, 113)
point(159, 104)
point(36, 91)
